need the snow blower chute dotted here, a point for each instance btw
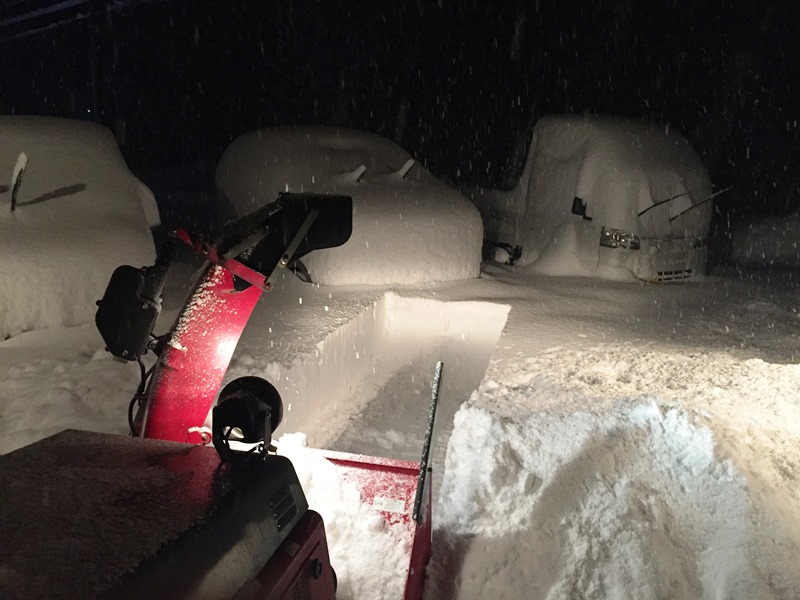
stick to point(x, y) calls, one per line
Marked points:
point(170, 516)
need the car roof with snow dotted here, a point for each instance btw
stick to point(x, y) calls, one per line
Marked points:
point(408, 226)
point(77, 205)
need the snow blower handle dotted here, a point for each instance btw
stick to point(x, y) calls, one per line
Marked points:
point(424, 469)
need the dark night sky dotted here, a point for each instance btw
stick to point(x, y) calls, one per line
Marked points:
point(455, 83)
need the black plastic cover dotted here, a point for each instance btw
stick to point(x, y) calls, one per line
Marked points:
point(124, 318)
point(91, 515)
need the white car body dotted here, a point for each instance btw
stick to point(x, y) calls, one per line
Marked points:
point(639, 179)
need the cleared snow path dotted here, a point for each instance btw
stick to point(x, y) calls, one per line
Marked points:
point(418, 333)
point(365, 387)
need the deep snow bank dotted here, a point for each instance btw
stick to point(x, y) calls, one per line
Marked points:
point(78, 386)
point(80, 214)
point(376, 360)
point(408, 227)
point(627, 504)
point(617, 472)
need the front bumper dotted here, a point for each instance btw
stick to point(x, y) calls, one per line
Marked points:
point(660, 260)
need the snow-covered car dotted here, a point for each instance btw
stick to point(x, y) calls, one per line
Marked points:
point(408, 227)
point(78, 214)
point(605, 197)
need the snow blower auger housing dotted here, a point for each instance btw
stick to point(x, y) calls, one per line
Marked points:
point(106, 516)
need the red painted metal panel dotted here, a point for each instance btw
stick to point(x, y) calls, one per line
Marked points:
point(300, 569)
point(193, 364)
point(390, 485)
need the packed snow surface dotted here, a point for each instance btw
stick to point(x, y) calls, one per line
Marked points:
point(408, 227)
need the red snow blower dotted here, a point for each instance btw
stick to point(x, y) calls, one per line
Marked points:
point(187, 512)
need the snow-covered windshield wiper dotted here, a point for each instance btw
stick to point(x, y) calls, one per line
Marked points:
point(660, 202)
point(703, 201)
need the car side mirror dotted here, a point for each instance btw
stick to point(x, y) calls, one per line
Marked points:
point(579, 208)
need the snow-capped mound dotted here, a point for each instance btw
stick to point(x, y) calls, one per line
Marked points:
point(632, 503)
point(603, 194)
point(80, 213)
point(408, 227)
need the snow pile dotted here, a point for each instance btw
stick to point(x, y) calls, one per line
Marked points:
point(42, 396)
point(80, 213)
point(642, 179)
point(626, 504)
point(408, 227)
point(619, 471)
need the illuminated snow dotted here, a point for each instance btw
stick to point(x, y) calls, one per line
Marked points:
point(625, 440)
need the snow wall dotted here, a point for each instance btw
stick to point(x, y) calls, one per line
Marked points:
point(325, 391)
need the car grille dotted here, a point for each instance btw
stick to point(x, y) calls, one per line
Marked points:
point(676, 275)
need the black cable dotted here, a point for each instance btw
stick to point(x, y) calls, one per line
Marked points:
point(133, 402)
point(139, 396)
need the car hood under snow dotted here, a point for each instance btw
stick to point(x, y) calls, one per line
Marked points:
point(429, 224)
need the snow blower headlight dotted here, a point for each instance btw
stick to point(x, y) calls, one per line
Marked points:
point(616, 238)
point(248, 411)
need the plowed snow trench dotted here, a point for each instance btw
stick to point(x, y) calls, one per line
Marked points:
point(367, 387)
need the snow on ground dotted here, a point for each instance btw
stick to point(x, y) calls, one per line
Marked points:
point(623, 473)
point(615, 439)
point(622, 454)
point(369, 553)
